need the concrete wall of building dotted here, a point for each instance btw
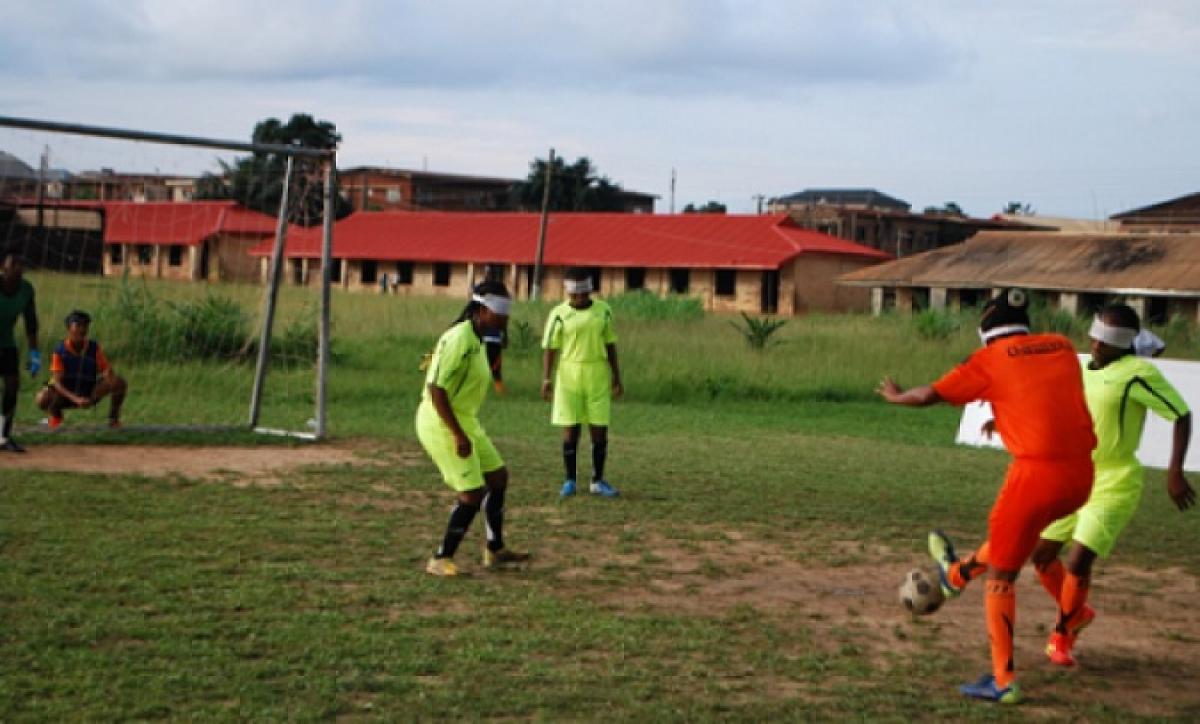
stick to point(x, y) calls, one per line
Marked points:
point(816, 288)
point(374, 191)
point(229, 259)
point(137, 260)
point(805, 285)
point(83, 220)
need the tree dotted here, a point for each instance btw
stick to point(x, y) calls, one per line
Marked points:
point(256, 181)
point(577, 187)
point(949, 209)
point(712, 207)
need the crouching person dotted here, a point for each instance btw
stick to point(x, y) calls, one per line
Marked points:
point(80, 375)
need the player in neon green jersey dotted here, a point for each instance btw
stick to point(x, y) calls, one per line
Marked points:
point(16, 301)
point(579, 335)
point(1120, 387)
point(456, 383)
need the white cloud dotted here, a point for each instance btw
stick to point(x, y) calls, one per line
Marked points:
point(699, 46)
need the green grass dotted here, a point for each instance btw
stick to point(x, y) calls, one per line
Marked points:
point(165, 598)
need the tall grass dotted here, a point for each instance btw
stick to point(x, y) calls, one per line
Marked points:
point(645, 306)
point(669, 354)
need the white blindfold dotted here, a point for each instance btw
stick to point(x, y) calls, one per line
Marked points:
point(1119, 337)
point(578, 286)
point(496, 303)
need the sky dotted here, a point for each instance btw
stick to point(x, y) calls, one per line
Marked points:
point(1076, 108)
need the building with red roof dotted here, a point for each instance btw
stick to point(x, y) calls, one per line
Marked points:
point(195, 240)
point(757, 264)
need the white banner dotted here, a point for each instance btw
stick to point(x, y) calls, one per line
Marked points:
point(1155, 450)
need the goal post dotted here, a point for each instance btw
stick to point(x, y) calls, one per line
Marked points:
point(193, 304)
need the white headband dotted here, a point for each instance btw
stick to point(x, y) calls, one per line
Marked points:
point(1119, 337)
point(578, 286)
point(496, 303)
point(995, 332)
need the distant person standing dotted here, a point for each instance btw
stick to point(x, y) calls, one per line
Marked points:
point(16, 300)
point(496, 340)
point(579, 335)
point(1148, 344)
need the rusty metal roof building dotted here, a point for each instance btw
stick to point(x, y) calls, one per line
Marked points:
point(1163, 265)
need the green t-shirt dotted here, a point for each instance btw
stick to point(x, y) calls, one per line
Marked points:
point(1118, 396)
point(13, 306)
point(582, 335)
point(460, 367)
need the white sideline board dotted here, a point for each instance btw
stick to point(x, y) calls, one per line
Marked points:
point(1155, 450)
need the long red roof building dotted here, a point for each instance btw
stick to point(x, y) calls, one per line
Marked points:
point(582, 239)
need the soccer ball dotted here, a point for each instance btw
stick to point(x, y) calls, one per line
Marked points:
point(921, 593)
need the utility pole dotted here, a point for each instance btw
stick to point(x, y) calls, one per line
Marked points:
point(759, 198)
point(43, 171)
point(672, 190)
point(541, 244)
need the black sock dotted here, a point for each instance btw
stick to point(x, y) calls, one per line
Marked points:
point(493, 516)
point(569, 449)
point(460, 520)
point(599, 456)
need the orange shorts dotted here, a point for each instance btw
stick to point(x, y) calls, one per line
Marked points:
point(1036, 493)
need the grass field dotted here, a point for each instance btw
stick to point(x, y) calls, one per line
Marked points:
point(770, 507)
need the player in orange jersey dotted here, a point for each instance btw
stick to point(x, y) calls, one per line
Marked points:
point(1035, 387)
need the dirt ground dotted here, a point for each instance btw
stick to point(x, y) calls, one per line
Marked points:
point(1141, 653)
point(262, 465)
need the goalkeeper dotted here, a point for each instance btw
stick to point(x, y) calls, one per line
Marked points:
point(16, 300)
point(80, 375)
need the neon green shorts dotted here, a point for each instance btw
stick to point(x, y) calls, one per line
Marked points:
point(582, 394)
point(1115, 496)
point(461, 474)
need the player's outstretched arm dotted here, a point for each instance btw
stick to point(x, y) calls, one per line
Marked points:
point(922, 396)
point(1178, 488)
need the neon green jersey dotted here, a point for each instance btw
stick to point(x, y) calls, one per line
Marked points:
point(582, 335)
point(1118, 396)
point(460, 367)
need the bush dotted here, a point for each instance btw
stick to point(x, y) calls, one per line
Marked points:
point(758, 332)
point(298, 340)
point(522, 336)
point(1045, 319)
point(137, 326)
point(936, 324)
point(211, 328)
point(644, 305)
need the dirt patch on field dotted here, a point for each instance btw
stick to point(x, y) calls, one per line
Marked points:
point(264, 465)
point(1146, 636)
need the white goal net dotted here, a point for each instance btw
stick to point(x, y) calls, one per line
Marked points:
point(168, 244)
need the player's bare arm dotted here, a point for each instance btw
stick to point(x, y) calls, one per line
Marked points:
point(922, 396)
point(1178, 488)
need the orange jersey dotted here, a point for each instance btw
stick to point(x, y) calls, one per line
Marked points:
point(1034, 383)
